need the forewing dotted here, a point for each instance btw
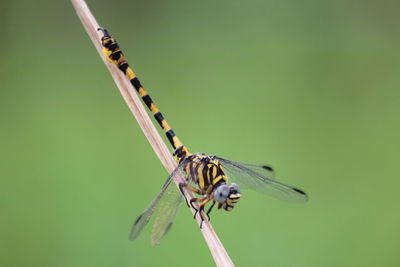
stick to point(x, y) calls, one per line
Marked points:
point(168, 208)
point(144, 218)
point(259, 178)
point(264, 170)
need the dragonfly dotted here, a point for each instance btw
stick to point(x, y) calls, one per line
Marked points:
point(214, 179)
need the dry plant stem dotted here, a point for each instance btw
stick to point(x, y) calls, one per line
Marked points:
point(218, 251)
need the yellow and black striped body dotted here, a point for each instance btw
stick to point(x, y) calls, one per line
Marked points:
point(208, 173)
point(203, 170)
point(112, 50)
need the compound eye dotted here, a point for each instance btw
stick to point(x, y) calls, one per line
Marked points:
point(221, 193)
point(234, 188)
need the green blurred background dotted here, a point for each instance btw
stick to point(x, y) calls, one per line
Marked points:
point(310, 87)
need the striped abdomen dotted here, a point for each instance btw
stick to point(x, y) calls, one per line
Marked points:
point(112, 51)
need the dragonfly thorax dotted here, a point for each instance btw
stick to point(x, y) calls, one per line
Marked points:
point(209, 175)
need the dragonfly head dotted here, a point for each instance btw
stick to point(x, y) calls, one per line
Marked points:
point(227, 196)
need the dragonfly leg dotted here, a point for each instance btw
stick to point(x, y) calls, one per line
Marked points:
point(202, 205)
point(191, 204)
point(209, 210)
point(204, 201)
point(181, 186)
point(190, 188)
point(198, 199)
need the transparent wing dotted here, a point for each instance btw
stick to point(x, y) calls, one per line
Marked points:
point(168, 208)
point(265, 170)
point(260, 178)
point(144, 218)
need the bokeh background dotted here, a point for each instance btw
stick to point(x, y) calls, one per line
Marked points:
point(310, 87)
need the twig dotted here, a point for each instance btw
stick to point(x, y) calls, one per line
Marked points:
point(218, 251)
